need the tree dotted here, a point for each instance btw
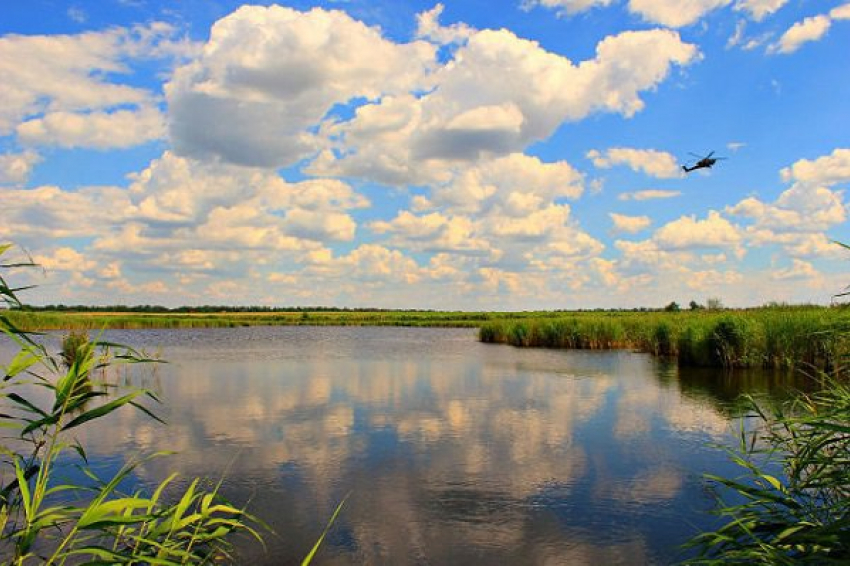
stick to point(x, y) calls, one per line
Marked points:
point(695, 306)
point(673, 307)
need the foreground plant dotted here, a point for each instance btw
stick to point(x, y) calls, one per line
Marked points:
point(798, 516)
point(45, 521)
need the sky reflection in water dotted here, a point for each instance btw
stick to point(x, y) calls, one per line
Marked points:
point(453, 451)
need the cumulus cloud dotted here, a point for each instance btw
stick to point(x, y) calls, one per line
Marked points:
point(810, 29)
point(267, 76)
point(64, 259)
point(48, 212)
point(655, 163)
point(428, 27)
point(688, 233)
point(840, 12)
point(798, 269)
point(73, 73)
point(629, 224)
point(648, 194)
point(513, 185)
point(566, 7)
point(759, 9)
point(801, 214)
point(99, 130)
point(826, 170)
point(799, 209)
point(433, 232)
point(473, 114)
point(671, 13)
point(674, 13)
point(366, 263)
point(15, 168)
point(238, 204)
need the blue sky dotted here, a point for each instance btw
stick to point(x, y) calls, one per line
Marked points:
point(465, 155)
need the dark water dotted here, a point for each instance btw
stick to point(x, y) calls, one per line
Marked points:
point(453, 451)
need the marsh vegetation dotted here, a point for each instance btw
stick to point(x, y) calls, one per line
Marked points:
point(768, 337)
point(46, 400)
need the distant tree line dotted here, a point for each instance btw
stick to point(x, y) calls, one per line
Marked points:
point(159, 309)
point(711, 304)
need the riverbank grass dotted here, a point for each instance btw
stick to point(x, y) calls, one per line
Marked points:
point(769, 337)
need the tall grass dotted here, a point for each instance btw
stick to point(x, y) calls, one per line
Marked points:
point(770, 337)
point(64, 320)
point(44, 521)
point(791, 503)
point(798, 516)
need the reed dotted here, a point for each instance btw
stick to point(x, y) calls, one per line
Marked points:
point(44, 521)
point(66, 320)
point(791, 503)
point(771, 337)
point(800, 515)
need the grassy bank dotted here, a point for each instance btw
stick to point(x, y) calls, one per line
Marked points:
point(68, 320)
point(772, 337)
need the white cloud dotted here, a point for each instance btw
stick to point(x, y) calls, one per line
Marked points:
point(826, 170)
point(232, 206)
point(758, 9)
point(802, 213)
point(799, 209)
point(77, 15)
point(567, 7)
point(15, 168)
point(474, 114)
point(798, 269)
point(433, 232)
point(512, 185)
point(64, 259)
point(533, 226)
point(99, 130)
point(428, 27)
point(649, 194)
point(840, 12)
point(74, 73)
point(688, 233)
point(655, 163)
point(737, 37)
point(671, 13)
point(268, 75)
point(367, 263)
point(674, 13)
point(629, 224)
point(47, 212)
point(810, 29)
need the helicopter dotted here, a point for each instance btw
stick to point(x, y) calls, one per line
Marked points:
point(704, 162)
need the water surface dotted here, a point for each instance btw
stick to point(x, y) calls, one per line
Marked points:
point(453, 451)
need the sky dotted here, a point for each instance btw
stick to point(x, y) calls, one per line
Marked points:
point(463, 155)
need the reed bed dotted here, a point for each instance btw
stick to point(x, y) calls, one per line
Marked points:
point(65, 320)
point(769, 337)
